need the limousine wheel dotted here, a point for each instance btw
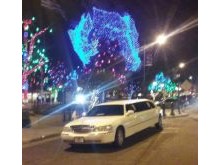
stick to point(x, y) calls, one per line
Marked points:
point(119, 137)
point(159, 124)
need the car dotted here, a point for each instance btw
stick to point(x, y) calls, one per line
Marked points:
point(113, 122)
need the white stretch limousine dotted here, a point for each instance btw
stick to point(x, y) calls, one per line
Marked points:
point(113, 122)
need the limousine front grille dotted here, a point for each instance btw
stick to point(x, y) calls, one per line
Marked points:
point(82, 128)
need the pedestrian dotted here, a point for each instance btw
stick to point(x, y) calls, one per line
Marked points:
point(172, 109)
point(164, 109)
point(74, 115)
point(64, 115)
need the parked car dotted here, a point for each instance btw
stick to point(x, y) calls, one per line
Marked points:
point(112, 122)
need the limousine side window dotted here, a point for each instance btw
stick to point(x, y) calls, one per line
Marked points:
point(142, 106)
point(130, 107)
point(151, 104)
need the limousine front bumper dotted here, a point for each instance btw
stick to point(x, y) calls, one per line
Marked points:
point(88, 138)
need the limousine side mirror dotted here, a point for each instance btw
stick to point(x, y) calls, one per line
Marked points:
point(130, 112)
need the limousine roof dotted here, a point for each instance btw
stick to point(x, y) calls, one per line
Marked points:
point(123, 102)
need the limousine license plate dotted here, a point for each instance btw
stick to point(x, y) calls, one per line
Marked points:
point(79, 140)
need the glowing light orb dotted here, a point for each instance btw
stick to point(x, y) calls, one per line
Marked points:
point(181, 65)
point(161, 39)
point(110, 26)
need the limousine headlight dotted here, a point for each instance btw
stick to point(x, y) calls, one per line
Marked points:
point(67, 129)
point(106, 128)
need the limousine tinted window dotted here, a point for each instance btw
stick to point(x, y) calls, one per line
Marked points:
point(141, 106)
point(106, 110)
point(151, 105)
point(129, 107)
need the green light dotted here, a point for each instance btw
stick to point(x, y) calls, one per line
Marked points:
point(37, 29)
point(43, 50)
point(38, 41)
point(51, 30)
point(31, 34)
point(38, 51)
point(33, 18)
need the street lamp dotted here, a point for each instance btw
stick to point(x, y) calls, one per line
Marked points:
point(161, 39)
point(181, 65)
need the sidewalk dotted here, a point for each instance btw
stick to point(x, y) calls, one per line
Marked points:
point(184, 112)
point(44, 127)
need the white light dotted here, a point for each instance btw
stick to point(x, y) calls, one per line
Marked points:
point(161, 39)
point(84, 114)
point(181, 65)
point(79, 89)
point(80, 98)
point(154, 83)
point(26, 27)
point(190, 77)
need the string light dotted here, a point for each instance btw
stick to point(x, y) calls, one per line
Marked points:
point(162, 83)
point(101, 24)
point(32, 61)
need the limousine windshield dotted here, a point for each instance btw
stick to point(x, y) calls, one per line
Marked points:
point(106, 110)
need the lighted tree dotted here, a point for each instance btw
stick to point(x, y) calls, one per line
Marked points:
point(56, 75)
point(161, 83)
point(107, 45)
point(33, 54)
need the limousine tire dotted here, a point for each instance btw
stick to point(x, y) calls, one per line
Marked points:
point(159, 124)
point(119, 137)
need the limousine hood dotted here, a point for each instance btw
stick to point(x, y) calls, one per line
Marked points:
point(95, 121)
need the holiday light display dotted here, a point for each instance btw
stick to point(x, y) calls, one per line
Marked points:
point(71, 79)
point(56, 75)
point(162, 83)
point(33, 55)
point(86, 36)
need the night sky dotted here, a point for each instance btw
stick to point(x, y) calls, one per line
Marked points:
point(151, 18)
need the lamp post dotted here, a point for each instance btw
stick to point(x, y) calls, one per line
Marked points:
point(160, 40)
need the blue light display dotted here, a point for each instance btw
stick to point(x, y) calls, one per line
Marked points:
point(110, 26)
point(161, 82)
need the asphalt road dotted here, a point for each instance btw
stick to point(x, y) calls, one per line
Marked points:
point(177, 144)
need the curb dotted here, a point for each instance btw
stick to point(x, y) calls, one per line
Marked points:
point(176, 116)
point(41, 138)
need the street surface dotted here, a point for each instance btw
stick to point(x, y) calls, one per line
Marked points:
point(177, 144)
